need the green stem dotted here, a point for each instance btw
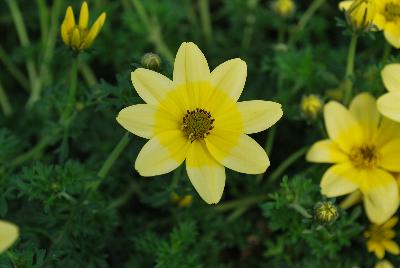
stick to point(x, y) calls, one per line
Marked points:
point(5, 103)
point(305, 18)
point(300, 210)
point(386, 52)
point(348, 87)
point(43, 18)
point(23, 37)
point(287, 163)
point(269, 142)
point(154, 30)
point(248, 201)
point(13, 69)
point(123, 198)
point(205, 18)
point(176, 176)
point(66, 114)
point(105, 168)
point(88, 74)
point(250, 22)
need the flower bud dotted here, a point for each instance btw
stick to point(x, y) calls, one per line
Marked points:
point(361, 13)
point(151, 61)
point(311, 106)
point(284, 8)
point(325, 213)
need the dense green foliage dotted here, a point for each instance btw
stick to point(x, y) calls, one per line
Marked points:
point(51, 193)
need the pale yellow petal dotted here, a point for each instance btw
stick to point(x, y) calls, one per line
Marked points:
point(381, 195)
point(390, 155)
point(351, 200)
point(388, 130)
point(84, 16)
point(94, 31)
point(205, 173)
point(230, 77)
point(389, 105)
point(340, 179)
point(162, 154)
point(139, 119)
point(383, 264)
point(379, 21)
point(364, 109)
point(259, 115)
point(151, 86)
point(190, 65)
point(391, 247)
point(345, 5)
point(242, 155)
point(391, 223)
point(326, 151)
point(392, 34)
point(341, 126)
point(391, 77)
point(8, 234)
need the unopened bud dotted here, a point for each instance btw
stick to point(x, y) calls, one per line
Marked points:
point(311, 106)
point(325, 213)
point(361, 13)
point(151, 61)
point(284, 8)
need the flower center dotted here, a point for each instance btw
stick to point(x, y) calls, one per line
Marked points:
point(197, 124)
point(392, 11)
point(82, 34)
point(364, 156)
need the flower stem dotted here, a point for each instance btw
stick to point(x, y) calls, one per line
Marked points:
point(348, 87)
point(5, 103)
point(248, 201)
point(66, 114)
point(105, 168)
point(13, 69)
point(204, 7)
point(300, 210)
point(269, 142)
point(287, 163)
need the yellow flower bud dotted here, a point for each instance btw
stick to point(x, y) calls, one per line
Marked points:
point(151, 61)
point(284, 8)
point(311, 106)
point(79, 36)
point(384, 264)
point(185, 201)
point(361, 13)
point(325, 213)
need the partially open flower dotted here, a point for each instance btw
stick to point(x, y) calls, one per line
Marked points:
point(360, 14)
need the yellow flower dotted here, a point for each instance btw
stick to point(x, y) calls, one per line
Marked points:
point(380, 238)
point(311, 106)
point(389, 103)
point(388, 20)
point(197, 117)
point(78, 36)
point(284, 8)
point(383, 264)
point(359, 13)
point(8, 235)
point(364, 149)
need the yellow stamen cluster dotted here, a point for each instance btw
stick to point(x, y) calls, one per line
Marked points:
point(197, 124)
point(364, 156)
point(392, 11)
point(79, 36)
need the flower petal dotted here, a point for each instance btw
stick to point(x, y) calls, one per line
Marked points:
point(8, 233)
point(76, 38)
point(151, 86)
point(392, 34)
point(389, 105)
point(94, 31)
point(205, 173)
point(364, 109)
point(390, 155)
point(381, 195)
point(388, 130)
point(259, 115)
point(67, 25)
point(242, 154)
point(345, 5)
point(326, 151)
point(390, 77)
point(391, 247)
point(84, 16)
point(190, 65)
point(340, 179)
point(162, 154)
point(341, 126)
point(390, 223)
point(230, 77)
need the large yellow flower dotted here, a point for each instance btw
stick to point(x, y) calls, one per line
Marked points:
point(380, 238)
point(8, 235)
point(389, 103)
point(197, 117)
point(78, 36)
point(364, 149)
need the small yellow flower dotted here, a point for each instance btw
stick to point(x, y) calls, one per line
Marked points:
point(8, 235)
point(78, 36)
point(196, 117)
point(365, 150)
point(325, 213)
point(311, 106)
point(380, 238)
point(389, 103)
point(383, 264)
point(360, 14)
point(284, 8)
point(181, 201)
